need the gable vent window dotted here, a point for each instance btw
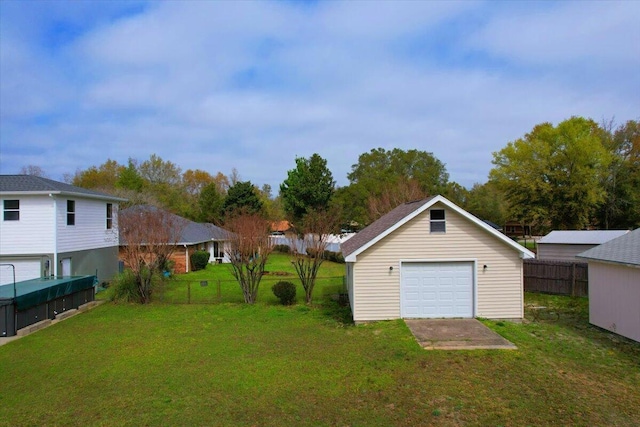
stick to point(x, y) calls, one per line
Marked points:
point(12, 210)
point(71, 212)
point(437, 221)
point(109, 216)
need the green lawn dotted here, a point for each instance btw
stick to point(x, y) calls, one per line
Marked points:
point(528, 243)
point(187, 287)
point(268, 365)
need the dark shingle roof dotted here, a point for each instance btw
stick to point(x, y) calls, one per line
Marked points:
point(196, 232)
point(192, 232)
point(381, 225)
point(15, 184)
point(623, 250)
point(492, 224)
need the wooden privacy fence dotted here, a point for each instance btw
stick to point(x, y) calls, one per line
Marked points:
point(556, 277)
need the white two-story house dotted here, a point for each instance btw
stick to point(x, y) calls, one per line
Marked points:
point(49, 228)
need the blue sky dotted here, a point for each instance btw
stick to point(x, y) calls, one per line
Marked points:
point(251, 85)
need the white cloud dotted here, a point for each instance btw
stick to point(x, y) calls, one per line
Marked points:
point(252, 85)
point(566, 33)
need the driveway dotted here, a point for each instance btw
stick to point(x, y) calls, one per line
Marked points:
point(456, 334)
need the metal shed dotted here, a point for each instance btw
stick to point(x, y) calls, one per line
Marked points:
point(614, 285)
point(31, 301)
point(564, 245)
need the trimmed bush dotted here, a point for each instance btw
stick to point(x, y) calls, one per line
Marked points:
point(329, 256)
point(285, 291)
point(334, 257)
point(199, 260)
point(283, 249)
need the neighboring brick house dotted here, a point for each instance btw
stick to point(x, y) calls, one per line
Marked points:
point(515, 229)
point(195, 236)
point(281, 228)
point(50, 228)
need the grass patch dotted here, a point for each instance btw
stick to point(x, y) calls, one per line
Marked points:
point(221, 286)
point(270, 365)
point(528, 243)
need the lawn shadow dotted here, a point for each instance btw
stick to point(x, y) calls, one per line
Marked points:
point(337, 310)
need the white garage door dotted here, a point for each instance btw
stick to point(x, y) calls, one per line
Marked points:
point(437, 289)
point(26, 269)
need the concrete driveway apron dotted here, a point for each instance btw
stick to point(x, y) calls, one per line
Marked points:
point(456, 334)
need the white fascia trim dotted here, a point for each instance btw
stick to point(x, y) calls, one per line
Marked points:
point(525, 253)
point(353, 256)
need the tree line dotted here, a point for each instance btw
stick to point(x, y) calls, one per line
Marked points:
point(573, 175)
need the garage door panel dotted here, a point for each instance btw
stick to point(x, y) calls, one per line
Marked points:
point(429, 296)
point(437, 289)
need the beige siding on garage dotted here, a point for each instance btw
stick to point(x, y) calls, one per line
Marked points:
point(614, 298)
point(377, 288)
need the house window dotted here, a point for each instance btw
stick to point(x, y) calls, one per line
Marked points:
point(109, 216)
point(12, 210)
point(71, 212)
point(437, 221)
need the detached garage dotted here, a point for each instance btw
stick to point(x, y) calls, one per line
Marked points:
point(432, 259)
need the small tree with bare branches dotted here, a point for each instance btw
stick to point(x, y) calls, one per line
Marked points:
point(148, 236)
point(249, 248)
point(316, 228)
point(393, 194)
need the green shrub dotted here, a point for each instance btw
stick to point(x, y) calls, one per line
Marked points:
point(199, 260)
point(329, 256)
point(334, 257)
point(285, 291)
point(283, 249)
point(124, 288)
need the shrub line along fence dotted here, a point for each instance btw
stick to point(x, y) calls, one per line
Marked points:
point(556, 277)
point(214, 291)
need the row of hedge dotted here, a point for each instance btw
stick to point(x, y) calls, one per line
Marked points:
point(200, 259)
point(327, 255)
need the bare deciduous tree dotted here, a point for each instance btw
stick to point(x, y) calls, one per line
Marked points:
point(34, 170)
point(234, 177)
point(394, 194)
point(316, 228)
point(148, 236)
point(249, 248)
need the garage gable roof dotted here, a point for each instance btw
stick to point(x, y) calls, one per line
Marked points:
point(404, 213)
point(623, 250)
